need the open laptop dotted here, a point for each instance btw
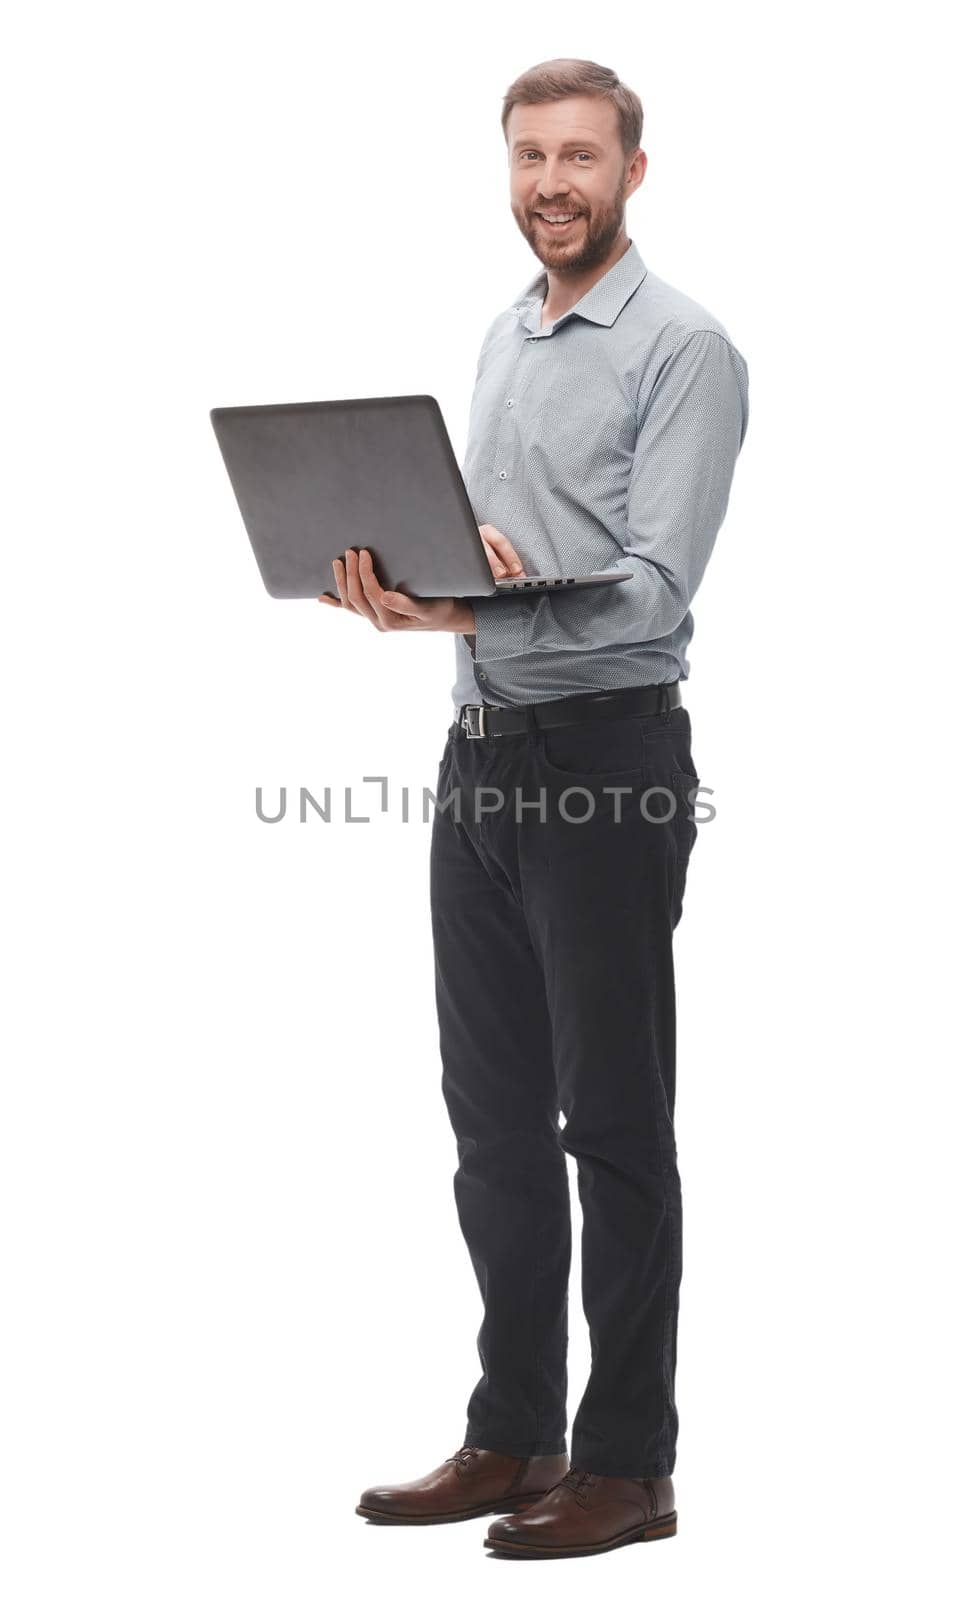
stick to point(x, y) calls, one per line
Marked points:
point(317, 478)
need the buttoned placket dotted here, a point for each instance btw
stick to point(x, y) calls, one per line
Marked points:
point(506, 443)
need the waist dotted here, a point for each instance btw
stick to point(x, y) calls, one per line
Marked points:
point(497, 722)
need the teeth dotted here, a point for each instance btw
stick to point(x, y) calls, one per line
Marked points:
point(561, 217)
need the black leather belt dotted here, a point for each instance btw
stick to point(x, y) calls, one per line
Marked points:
point(480, 722)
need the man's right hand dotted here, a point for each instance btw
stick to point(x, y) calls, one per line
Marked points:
point(390, 610)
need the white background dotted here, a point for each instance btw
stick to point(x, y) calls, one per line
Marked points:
point(236, 1289)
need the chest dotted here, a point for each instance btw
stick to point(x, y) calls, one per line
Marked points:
point(557, 407)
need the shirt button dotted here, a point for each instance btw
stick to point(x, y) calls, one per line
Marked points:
point(483, 674)
point(503, 474)
point(509, 402)
point(531, 338)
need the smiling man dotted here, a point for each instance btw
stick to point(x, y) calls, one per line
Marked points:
point(607, 416)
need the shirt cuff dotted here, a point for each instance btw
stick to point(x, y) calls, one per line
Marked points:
point(502, 624)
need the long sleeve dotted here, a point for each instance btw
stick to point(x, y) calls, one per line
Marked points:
point(690, 434)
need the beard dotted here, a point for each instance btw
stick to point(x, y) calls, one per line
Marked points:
point(588, 247)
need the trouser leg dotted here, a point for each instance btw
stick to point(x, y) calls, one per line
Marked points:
point(511, 1185)
point(602, 907)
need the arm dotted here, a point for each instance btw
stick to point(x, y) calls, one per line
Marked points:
point(678, 491)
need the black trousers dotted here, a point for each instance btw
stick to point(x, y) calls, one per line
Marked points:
point(552, 925)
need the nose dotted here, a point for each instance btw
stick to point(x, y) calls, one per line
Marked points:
point(553, 181)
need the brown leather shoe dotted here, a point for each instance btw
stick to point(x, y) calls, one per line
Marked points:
point(471, 1483)
point(587, 1513)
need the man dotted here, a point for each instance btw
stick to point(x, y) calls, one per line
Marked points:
point(607, 416)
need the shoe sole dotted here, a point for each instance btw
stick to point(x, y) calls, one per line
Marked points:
point(661, 1528)
point(416, 1520)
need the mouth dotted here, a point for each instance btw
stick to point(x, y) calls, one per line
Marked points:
point(552, 226)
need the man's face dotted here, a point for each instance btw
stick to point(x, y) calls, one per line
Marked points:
point(566, 156)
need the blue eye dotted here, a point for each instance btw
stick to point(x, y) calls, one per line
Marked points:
point(586, 153)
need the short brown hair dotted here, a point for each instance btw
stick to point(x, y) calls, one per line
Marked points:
point(558, 79)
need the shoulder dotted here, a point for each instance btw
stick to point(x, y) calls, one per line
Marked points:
point(663, 318)
point(681, 349)
point(501, 327)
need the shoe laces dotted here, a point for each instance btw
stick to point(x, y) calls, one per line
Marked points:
point(578, 1481)
point(462, 1457)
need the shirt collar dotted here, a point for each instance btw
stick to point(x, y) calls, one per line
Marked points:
point(601, 304)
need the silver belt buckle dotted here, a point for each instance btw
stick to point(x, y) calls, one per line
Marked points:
point(466, 721)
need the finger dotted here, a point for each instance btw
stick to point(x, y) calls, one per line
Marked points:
point(329, 600)
point(363, 584)
point(405, 611)
point(495, 562)
point(356, 594)
point(503, 547)
point(341, 578)
point(501, 543)
point(389, 616)
point(341, 581)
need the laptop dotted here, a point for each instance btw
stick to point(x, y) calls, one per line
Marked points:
point(316, 478)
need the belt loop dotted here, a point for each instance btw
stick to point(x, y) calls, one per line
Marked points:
point(664, 706)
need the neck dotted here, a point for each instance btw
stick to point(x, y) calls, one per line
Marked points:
point(564, 289)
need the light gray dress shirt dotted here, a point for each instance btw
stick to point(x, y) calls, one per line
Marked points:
point(606, 439)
